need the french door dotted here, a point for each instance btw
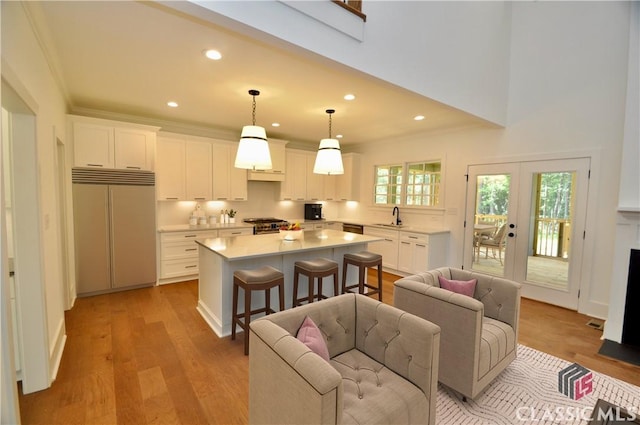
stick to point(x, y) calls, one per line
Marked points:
point(525, 222)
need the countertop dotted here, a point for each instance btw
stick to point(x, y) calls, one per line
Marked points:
point(243, 247)
point(187, 227)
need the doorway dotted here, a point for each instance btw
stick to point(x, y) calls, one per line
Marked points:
point(525, 222)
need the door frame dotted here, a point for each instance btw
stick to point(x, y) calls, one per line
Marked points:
point(585, 303)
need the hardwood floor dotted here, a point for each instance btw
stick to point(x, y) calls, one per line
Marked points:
point(146, 356)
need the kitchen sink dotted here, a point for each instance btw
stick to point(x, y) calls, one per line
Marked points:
point(389, 225)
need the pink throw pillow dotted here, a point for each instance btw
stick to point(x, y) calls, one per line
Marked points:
point(311, 336)
point(464, 287)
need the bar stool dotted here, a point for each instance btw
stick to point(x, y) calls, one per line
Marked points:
point(317, 268)
point(261, 279)
point(363, 260)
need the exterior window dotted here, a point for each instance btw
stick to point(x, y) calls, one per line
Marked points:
point(423, 184)
point(388, 184)
point(420, 187)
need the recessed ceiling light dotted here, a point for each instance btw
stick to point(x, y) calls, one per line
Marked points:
point(172, 104)
point(213, 54)
point(349, 96)
point(418, 117)
point(275, 124)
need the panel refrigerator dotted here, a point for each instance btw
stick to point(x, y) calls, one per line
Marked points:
point(115, 229)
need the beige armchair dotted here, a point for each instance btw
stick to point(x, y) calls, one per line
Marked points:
point(383, 366)
point(479, 335)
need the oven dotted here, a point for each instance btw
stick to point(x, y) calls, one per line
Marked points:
point(262, 225)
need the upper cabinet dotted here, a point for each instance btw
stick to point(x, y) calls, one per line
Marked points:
point(229, 182)
point(112, 144)
point(302, 184)
point(193, 168)
point(278, 163)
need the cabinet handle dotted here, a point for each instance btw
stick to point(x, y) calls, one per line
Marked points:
point(389, 240)
point(133, 168)
point(95, 165)
point(190, 236)
point(405, 243)
point(193, 266)
point(277, 171)
point(239, 199)
point(191, 249)
point(171, 199)
point(221, 199)
point(421, 245)
point(199, 199)
point(413, 237)
point(236, 233)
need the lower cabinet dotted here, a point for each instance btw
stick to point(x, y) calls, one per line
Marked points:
point(387, 247)
point(419, 252)
point(179, 254)
point(409, 252)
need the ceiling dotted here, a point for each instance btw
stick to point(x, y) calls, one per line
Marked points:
point(131, 58)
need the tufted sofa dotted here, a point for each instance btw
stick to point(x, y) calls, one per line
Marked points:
point(479, 334)
point(383, 366)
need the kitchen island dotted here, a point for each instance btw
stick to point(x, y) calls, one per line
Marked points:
point(220, 257)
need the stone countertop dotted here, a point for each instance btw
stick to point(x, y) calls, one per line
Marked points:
point(189, 227)
point(244, 247)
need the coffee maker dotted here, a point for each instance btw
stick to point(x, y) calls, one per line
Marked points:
point(313, 211)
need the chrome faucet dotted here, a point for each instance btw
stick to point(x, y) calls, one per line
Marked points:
point(396, 210)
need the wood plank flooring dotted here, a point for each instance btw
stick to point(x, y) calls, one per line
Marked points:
point(147, 357)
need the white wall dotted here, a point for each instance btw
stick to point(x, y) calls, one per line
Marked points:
point(21, 51)
point(567, 94)
point(453, 52)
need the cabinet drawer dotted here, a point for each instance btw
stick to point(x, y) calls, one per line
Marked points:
point(175, 268)
point(187, 236)
point(235, 232)
point(381, 233)
point(175, 250)
point(414, 237)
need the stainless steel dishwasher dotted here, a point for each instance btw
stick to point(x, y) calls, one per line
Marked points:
point(353, 228)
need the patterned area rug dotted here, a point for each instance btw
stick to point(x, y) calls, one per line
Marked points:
point(527, 392)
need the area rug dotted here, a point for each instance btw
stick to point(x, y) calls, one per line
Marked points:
point(528, 392)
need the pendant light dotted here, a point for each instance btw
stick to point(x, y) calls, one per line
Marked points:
point(253, 150)
point(329, 158)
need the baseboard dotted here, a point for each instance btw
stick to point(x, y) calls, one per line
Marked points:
point(55, 353)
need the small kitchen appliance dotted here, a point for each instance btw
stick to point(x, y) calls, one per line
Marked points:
point(313, 211)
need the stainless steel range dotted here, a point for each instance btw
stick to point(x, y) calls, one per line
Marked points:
point(264, 225)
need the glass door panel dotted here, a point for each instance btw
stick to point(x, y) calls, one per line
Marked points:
point(524, 222)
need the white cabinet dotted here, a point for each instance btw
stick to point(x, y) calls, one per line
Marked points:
point(347, 185)
point(112, 144)
point(315, 182)
point(229, 183)
point(170, 175)
point(419, 252)
point(223, 233)
point(278, 163)
point(184, 170)
point(179, 253)
point(312, 226)
point(294, 187)
point(198, 176)
point(387, 247)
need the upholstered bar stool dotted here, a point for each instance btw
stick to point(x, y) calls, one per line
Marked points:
point(261, 279)
point(318, 268)
point(363, 260)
